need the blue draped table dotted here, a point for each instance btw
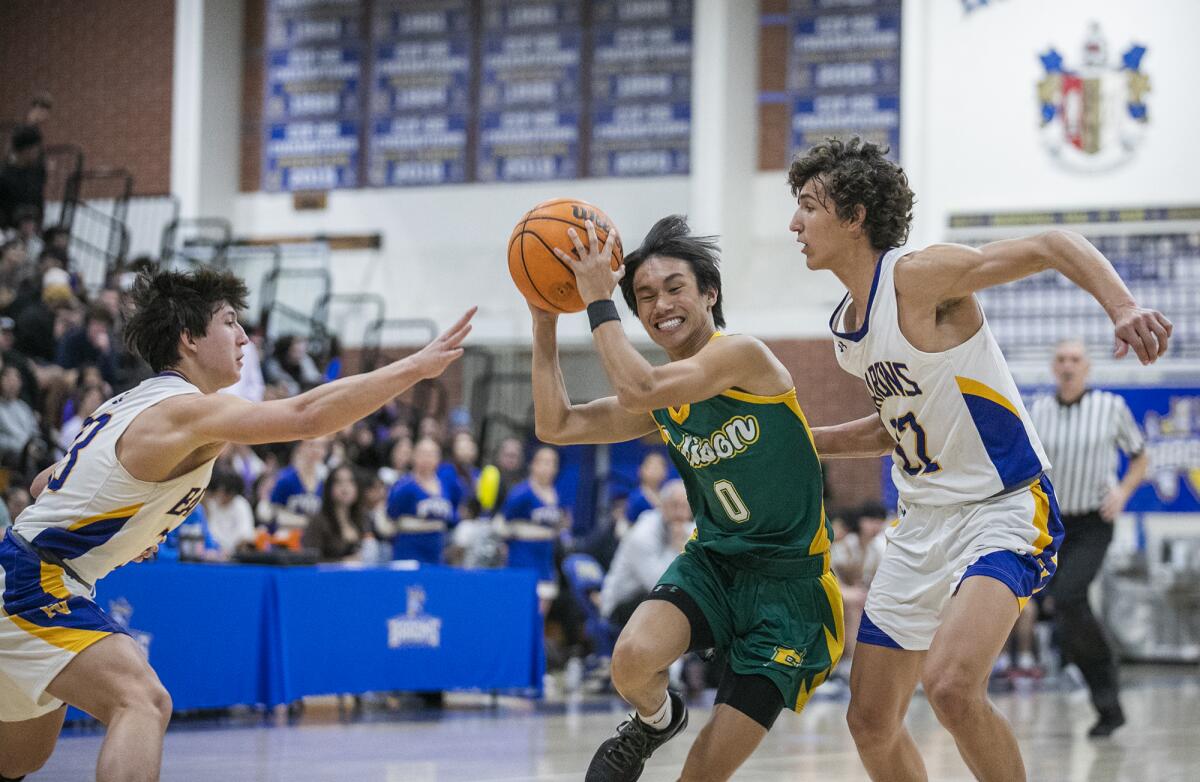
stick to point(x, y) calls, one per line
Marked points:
point(220, 635)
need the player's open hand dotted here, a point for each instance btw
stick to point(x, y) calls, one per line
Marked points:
point(592, 265)
point(433, 359)
point(1144, 331)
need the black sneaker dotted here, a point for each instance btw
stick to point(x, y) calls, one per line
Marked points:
point(621, 758)
point(1108, 722)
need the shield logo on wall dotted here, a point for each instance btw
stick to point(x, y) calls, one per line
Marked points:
point(1093, 117)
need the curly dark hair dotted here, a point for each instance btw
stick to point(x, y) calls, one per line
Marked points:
point(168, 303)
point(670, 237)
point(853, 173)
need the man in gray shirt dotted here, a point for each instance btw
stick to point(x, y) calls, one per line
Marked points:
point(645, 552)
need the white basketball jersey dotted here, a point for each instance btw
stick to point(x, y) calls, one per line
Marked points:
point(93, 513)
point(962, 433)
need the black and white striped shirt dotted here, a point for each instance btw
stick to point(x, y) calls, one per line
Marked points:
point(1081, 439)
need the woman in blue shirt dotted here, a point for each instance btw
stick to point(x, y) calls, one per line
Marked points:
point(420, 509)
point(532, 521)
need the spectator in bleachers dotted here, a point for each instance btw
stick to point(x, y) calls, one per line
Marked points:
point(400, 457)
point(43, 321)
point(10, 356)
point(191, 541)
point(341, 530)
point(296, 495)
point(28, 230)
point(362, 450)
point(84, 403)
point(419, 511)
point(431, 427)
point(291, 367)
point(56, 238)
point(532, 521)
point(602, 540)
point(230, 517)
point(40, 106)
point(16, 499)
point(18, 423)
point(509, 462)
point(250, 385)
point(91, 343)
point(375, 497)
point(651, 474)
point(23, 176)
point(460, 474)
point(645, 552)
point(14, 270)
point(243, 461)
point(32, 286)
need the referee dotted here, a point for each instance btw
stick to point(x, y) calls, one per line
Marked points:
point(1081, 430)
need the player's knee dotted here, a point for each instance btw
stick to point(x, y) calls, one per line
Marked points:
point(147, 699)
point(953, 698)
point(871, 725)
point(163, 705)
point(632, 661)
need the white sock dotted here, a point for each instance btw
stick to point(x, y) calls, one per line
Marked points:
point(1026, 660)
point(659, 719)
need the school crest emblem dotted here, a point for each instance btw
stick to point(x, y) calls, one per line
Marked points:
point(1094, 116)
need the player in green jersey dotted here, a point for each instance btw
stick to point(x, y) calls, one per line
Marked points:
point(755, 581)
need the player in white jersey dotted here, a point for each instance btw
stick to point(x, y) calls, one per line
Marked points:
point(966, 461)
point(138, 467)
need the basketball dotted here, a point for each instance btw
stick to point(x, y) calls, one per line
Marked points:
point(545, 280)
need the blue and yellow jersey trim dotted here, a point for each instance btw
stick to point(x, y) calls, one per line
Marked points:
point(85, 534)
point(1002, 431)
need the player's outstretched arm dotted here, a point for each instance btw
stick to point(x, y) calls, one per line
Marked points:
point(212, 418)
point(860, 438)
point(559, 422)
point(948, 272)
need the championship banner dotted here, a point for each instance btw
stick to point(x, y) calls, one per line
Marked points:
point(641, 88)
point(313, 94)
point(420, 92)
point(531, 91)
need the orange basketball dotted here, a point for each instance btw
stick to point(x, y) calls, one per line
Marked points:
point(547, 282)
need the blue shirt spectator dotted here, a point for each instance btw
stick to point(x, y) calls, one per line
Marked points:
point(420, 508)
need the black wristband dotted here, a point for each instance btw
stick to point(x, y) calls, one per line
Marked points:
point(602, 311)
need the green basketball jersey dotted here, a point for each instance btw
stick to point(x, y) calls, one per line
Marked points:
point(752, 476)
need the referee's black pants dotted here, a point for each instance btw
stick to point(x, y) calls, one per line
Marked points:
point(1081, 636)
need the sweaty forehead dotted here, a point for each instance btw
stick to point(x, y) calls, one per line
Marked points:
point(658, 269)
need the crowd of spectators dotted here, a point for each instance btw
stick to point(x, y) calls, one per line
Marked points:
point(394, 486)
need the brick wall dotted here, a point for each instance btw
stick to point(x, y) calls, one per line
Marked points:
point(250, 171)
point(829, 395)
point(108, 66)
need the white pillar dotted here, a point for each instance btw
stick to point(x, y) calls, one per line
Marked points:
point(724, 144)
point(185, 105)
point(206, 106)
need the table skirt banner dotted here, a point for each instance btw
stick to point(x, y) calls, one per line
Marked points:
point(431, 628)
point(222, 635)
